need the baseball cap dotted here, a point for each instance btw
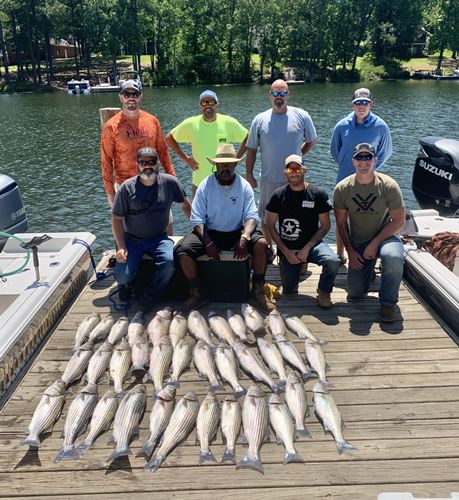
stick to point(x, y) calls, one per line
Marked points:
point(130, 84)
point(146, 151)
point(209, 93)
point(363, 147)
point(362, 93)
point(294, 159)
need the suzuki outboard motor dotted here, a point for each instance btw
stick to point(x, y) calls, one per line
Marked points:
point(436, 175)
point(13, 217)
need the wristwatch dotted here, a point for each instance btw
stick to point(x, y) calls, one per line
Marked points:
point(247, 237)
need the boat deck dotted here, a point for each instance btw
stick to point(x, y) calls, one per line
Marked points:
point(397, 388)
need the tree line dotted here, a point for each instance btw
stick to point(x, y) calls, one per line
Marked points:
point(214, 41)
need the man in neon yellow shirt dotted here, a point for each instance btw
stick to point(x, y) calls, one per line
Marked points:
point(205, 132)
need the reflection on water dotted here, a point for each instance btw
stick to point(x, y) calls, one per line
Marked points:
point(50, 143)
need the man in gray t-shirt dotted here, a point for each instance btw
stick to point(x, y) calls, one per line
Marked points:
point(278, 132)
point(140, 215)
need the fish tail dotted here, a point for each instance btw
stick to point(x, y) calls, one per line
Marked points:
point(326, 383)
point(84, 447)
point(154, 464)
point(306, 375)
point(67, 454)
point(206, 456)
point(303, 433)
point(229, 455)
point(119, 452)
point(293, 457)
point(174, 382)
point(278, 388)
point(251, 463)
point(343, 446)
point(215, 387)
point(30, 441)
point(239, 392)
point(147, 449)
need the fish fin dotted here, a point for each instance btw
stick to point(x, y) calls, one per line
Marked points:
point(321, 342)
point(154, 464)
point(135, 432)
point(84, 447)
point(327, 367)
point(84, 378)
point(174, 382)
point(62, 434)
point(278, 388)
point(216, 387)
point(343, 424)
point(343, 446)
point(66, 454)
point(303, 433)
point(229, 456)
point(119, 452)
point(293, 458)
point(111, 439)
point(28, 441)
point(278, 440)
point(266, 438)
point(239, 392)
point(120, 394)
point(251, 463)
point(147, 449)
point(206, 456)
point(306, 375)
point(243, 438)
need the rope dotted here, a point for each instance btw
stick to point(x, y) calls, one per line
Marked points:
point(26, 257)
point(444, 247)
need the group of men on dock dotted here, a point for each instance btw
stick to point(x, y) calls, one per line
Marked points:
point(292, 213)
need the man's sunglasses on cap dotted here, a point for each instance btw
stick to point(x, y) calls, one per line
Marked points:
point(362, 102)
point(127, 94)
point(207, 102)
point(283, 93)
point(364, 157)
point(148, 163)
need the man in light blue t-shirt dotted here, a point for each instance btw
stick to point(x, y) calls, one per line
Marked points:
point(278, 132)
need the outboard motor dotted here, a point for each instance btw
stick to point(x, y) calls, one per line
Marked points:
point(13, 218)
point(436, 175)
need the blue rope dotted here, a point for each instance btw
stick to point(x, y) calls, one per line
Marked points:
point(120, 307)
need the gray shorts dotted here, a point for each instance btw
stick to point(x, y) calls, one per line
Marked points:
point(266, 191)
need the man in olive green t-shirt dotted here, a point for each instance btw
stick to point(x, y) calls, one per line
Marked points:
point(369, 211)
point(205, 132)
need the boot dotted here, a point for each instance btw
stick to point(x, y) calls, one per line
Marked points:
point(196, 300)
point(258, 299)
point(323, 299)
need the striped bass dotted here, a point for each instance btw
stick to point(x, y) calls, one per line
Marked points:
point(178, 328)
point(295, 397)
point(226, 364)
point(231, 426)
point(204, 362)
point(140, 353)
point(181, 360)
point(136, 327)
point(119, 364)
point(221, 328)
point(78, 363)
point(198, 328)
point(102, 329)
point(316, 358)
point(237, 324)
point(98, 363)
point(273, 358)
point(297, 326)
point(159, 326)
point(182, 422)
point(160, 361)
point(127, 420)
point(206, 426)
point(282, 423)
point(253, 319)
point(46, 413)
point(255, 424)
point(101, 419)
point(291, 355)
point(85, 328)
point(77, 419)
point(119, 330)
point(276, 324)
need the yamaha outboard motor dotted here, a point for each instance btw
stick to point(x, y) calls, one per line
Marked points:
point(13, 217)
point(436, 175)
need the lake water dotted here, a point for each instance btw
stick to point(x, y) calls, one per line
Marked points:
point(50, 143)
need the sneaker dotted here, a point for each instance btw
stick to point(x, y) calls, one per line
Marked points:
point(196, 300)
point(258, 299)
point(387, 314)
point(323, 299)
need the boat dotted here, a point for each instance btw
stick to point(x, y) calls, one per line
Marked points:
point(40, 275)
point(454, 76)
point(75, 87)
point(107, 86)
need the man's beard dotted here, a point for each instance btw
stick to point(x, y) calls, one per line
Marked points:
point(149, 177)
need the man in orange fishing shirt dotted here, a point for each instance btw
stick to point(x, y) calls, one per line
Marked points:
point(124, 134)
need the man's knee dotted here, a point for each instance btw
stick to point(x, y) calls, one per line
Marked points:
point(332, 264)
point(261, 246)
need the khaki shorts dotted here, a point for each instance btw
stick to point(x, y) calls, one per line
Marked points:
point(266, 191)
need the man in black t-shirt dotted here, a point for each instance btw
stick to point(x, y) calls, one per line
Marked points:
point(302, 211)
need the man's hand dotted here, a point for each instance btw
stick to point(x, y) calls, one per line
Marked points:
point(303, 254)
point(212, 251)
point(371, 251)
point(251, 180)
point(121, 255)
point(356, 261)
point(241, 248)
point(192, 163)
point(292, 257)
point(110, 198)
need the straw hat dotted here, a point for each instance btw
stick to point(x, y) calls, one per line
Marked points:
point(225, 154)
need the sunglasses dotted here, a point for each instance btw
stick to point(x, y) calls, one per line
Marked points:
point(367, 157)
point(293, 170)
point(275, 93)
point(209, 102)
point(362, 102)
point(148, 163)
point(127, 95)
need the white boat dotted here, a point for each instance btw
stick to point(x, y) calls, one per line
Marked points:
point(78, 87)
point(106, 86)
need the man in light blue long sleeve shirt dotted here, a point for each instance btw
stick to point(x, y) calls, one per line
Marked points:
point(360, 126)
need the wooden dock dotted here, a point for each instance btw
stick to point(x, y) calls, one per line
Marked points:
point(397, 388)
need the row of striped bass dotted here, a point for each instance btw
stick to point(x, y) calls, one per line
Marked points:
point(119, 364)
point(85, 328)
point(275, 324)
point(250, 362)
point(98, 363)
point(237, 324)
point(178, 328)
point(221, 328)
point(101, 330)
point(198, 328)
point(118, 331)
point(136, 327)
point(159, 325)
point(204, 362)
point(181, 360)
point(77, 419)
point(46, 413)
point(182, 422)
point(159, 418)
point(273, 358)
point(140, 353)
point(253, 319)
point(255, 424)
point(291, 355)
point(206, 426)
point(295, 397)
point(101, 419)
point(297, 326)
point(316, 358)
point(127, 421)
point(327, 411)
point(281, 421)
point(226, 364)
point(160, 362)
point(78, 363)
point(231, 426)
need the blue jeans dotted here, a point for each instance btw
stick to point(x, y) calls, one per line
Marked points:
point(391, 254)
point(161, 250)
point(321, 255)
